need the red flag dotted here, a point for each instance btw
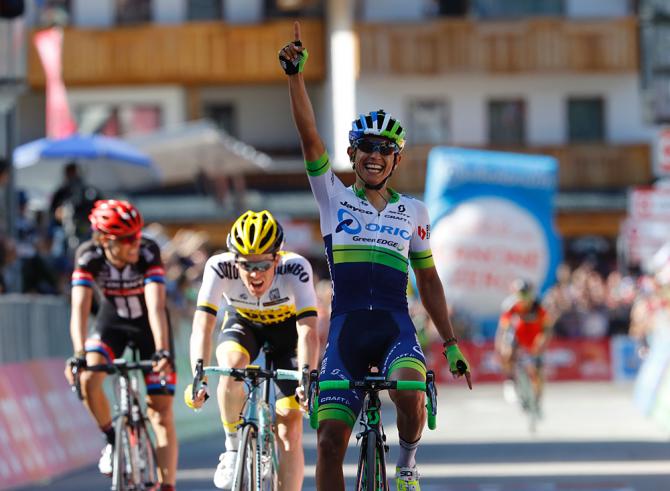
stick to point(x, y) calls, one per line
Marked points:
point(49, 44)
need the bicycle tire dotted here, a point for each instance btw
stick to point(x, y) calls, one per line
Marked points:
point(246, 457)
point(371, 463)
point(148, 466)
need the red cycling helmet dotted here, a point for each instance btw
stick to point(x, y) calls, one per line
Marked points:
point(115, 218)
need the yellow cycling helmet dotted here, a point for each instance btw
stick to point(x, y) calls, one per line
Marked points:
point(255, 233)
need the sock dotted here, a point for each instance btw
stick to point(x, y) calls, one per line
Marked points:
point(167, 487)
point(232, 438)
point(108, 430)
point(407, 453)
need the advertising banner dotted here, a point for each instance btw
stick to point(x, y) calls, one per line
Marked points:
point(492, 215)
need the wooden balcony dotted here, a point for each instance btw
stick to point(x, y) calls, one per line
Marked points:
point(197, 53)
point(189, 53)
point(581, 167)
point(543, 45)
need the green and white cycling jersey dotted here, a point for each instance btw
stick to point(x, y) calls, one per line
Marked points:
point(368, 251)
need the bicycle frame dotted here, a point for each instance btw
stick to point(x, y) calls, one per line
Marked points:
point(258, 411)
point(370, 418)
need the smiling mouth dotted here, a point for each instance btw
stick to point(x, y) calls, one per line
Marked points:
point(373, 168)
point(256, 283)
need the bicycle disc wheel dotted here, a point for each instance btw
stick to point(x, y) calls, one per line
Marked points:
point(269, 472)
point(246, 457)
point(147, 458)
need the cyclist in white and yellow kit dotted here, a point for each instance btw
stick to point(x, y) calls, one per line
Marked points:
point(269, 297)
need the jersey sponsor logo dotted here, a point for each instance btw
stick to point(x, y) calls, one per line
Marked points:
point(355, 208)
point(269, 316)
point(393, 217)
point(389, 230)
point(422, 232)
point(294, 269)
point(226, 270)
point(348, 222)
point(401, 208)
point(274, 294)
point(380, 241)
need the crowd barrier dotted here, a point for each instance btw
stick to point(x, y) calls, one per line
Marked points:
point(606, 359)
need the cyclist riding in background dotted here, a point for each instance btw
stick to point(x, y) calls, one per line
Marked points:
point(269, 297)
point(372, 234)
point(523, 325)
point(127, 272)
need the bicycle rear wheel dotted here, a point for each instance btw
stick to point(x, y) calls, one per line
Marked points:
point(246, 461)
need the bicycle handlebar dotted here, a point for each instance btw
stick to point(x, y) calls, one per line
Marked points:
point(118, 365)
point(253, 372)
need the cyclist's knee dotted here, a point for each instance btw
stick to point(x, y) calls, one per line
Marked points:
point(332, 439)
point(159, 409)
point(91, 382)
point(231, 354)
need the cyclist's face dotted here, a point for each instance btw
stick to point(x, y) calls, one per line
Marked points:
point(369, 158)
point(257, 271)
point(124, 250)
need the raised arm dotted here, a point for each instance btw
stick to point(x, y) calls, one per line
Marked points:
point(293, 57)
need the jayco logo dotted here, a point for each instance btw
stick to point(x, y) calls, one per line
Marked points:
point(348, 222)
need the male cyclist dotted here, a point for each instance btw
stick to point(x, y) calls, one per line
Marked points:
point(524, 325)
point(372, 234)
point(127, 271)
point(270, 297)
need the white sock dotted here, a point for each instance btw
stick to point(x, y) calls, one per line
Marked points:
point(232, 441)
point(407, 453)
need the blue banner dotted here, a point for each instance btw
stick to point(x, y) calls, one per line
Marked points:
point(492, 222)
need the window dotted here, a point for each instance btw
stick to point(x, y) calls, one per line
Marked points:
point(586, 119)
point(204, 9)
point(121, 119)
point(495, 9)
point(427, 122)
point(223, 115)
point(133, 11)
point(507, 125)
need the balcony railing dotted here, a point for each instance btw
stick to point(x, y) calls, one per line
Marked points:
point(543, 45)
point(218, 53)
point(581, 167)
point(190, 53)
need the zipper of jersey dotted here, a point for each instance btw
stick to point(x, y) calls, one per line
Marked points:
point(374, 252)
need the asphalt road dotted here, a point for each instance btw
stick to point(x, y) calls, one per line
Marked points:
point(591, 439)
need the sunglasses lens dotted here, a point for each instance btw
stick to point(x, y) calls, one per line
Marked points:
point(369, 146)
point(255, 265)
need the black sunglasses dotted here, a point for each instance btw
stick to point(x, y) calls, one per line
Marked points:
point(371, 146)
point(251, 266)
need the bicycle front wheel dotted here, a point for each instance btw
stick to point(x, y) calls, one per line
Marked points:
point(246, 460)
point(147, 458)
point(125, 475)
point(371, 475)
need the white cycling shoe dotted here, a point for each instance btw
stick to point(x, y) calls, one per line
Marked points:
point(105, 462)
point(509, 392)
point(224, 474)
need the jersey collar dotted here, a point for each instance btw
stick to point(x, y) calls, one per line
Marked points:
point(360, 193)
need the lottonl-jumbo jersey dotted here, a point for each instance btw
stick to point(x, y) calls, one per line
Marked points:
point(369, 251)
point(290, 297)
point(122, 290)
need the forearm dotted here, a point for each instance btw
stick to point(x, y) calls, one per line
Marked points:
point(308, 343)
point(201, 337)
point(433, 300)
point(304, 118)
point(159, 327)
point(81, 306)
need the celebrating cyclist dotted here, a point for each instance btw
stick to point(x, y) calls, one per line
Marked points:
point(127, 272)
point(269, 297)
point(372, 234)
point(523, 326)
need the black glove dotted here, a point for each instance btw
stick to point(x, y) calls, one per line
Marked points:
point(292, 67)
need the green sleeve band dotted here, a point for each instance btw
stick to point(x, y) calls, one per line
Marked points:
point(318, 167)
point(421, 260)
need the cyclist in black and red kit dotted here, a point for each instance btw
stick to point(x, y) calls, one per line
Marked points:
point(127, 272)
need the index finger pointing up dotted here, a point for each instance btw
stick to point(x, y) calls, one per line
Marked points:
point(296, 31)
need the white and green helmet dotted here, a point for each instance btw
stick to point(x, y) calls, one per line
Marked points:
point(377, 123)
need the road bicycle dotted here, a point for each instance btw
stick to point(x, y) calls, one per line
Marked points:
point(134, 460)
point(371, 473)
point(523, 384)
point(257, 466)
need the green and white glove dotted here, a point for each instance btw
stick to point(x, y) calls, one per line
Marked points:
point(292, 67)
point(458, 364)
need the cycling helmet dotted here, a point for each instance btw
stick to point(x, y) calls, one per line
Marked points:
point(115, 218)
point(255, 233)
point(522, 287)
point(377, 123)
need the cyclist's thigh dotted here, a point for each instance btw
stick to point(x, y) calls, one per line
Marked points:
point(143, 339)
point(236, 345)
point(107, 340)
point(356, 340)
point(404, 352)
